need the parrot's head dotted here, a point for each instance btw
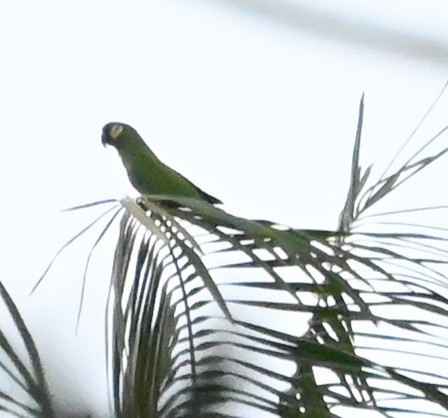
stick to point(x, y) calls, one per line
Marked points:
point(117, 134)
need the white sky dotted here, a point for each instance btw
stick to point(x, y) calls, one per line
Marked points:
point(259, 113)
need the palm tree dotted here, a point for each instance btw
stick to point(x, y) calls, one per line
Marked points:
point(213, 315)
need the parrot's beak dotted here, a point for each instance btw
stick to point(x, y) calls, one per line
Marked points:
point(104, 140)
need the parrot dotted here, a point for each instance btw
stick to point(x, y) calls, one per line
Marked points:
point(146, 172)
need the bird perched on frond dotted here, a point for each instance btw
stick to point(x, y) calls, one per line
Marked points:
point(147, 173)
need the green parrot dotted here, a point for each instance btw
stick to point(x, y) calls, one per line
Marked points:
point(146, 172)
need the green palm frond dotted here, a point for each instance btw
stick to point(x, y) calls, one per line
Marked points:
point(26, 394)
point(194, 289)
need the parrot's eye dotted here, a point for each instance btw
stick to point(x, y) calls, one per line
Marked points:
point(115, 131)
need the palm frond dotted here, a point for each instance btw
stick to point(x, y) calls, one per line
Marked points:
point(210, 314)
point(208, 282)
point(27, 393)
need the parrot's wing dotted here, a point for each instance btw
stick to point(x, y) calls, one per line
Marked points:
point(205, 196)
point(209, 198)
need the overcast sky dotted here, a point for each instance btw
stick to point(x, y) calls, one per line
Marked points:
point(260, 112)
